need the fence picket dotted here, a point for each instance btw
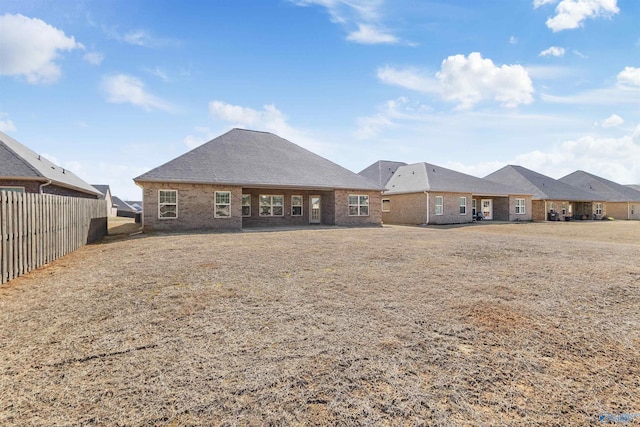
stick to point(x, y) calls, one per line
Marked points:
point(36, 229)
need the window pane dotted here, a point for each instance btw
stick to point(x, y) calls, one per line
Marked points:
point(246, 200)
point(364, 200)
point(168, 211)
point(296, 200)
point(386, 205)
point(223, 210)
point(223, 197)
point(246, 211)
point(353, 200)
point(278, 210)
point(265, 210)
point(265, 200)
point(364, 210)
point(353, 210)
point(296, 211)
point(278, 200)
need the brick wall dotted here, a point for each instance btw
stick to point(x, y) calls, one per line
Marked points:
point(406, 209)
point(341, 204)
point(451, 209)
point(255, 220)
point(195, 208)
point(34, 187)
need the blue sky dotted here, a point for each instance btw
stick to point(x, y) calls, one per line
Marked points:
point(111, 89)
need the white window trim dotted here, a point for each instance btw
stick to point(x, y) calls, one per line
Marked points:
point(249, 205)
point(163, 204)
point(599, 209)
point(522, 208)
point(271, 196)
point(301, 205)
point(215, 205)
point(389, 203)
point(441, 205)
point(359, 205)
point(463, 206)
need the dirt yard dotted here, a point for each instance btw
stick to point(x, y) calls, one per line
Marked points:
point(532, 324)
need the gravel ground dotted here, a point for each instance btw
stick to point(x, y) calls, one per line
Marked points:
point(489, 324)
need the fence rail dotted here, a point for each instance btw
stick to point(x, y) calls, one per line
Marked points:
point(39, 228)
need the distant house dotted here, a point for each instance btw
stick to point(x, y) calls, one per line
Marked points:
point(552, 199)
point(423, 193)
point(123, 208)
point(248, 178)
point(25, 171)
point(112, 209)
point(623, 202)
point(135, 204)
point(634, 186)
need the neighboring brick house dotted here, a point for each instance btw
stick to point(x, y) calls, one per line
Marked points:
point(25, 171)
point(552, 199)
point(423, 193)
point(248, 178)
point(623, 202)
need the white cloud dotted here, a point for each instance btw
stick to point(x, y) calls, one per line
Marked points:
point(203, 134)
point(617, 159)
point(467, 81)
point(553, 51)
point(29, 47)
point(94, 58)
point(538, 3)
point(513, 40)
point(630, 76)
point(269, 119)
point(368, 34)
point(409, 78)
point(392, 111)
point(612, 121)
point(122, 88)
point(158, 73)
point(474, 79)
point(360, 18)
point(571, 14)
point(6, 125)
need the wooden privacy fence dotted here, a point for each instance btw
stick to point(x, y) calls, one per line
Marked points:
point(39, 228)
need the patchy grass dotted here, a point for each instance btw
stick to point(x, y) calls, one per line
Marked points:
point(491, 324)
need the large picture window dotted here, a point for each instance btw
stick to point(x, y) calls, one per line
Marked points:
point(167, 204)
point(439, 205)
point(246, 205)
point(271, 205)
point(296, 205)
point(358, 205)
point(520, 206)
point(222, 206)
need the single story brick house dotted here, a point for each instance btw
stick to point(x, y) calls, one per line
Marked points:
point(623, 202)
point(247, 178)
point(112, 208)
point(25, 171)
point(423, 193)
point(552, 199)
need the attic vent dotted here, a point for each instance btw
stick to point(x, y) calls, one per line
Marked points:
point(62, 170)
point(413, 173)
point(433, 170)
point(38, 156)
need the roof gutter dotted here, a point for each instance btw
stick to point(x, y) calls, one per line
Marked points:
point(44, 185)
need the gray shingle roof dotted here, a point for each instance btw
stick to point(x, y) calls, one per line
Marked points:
point(541, 186)
point(381, 171)
point(19, 162)
point(610, 191)
point(252, 158)
point(122, 205)
point(419, 177)
point(634, 186)
point(103, 189)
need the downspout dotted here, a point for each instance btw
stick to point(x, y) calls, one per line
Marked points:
point(44, 185)
point(427, 193)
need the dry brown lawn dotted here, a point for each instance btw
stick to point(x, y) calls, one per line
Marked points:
point(490, 324)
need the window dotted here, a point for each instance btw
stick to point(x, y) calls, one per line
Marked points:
point(358, 205)
point(167, 203)
point(386, 205)
point(271, 205)
point(633, 208)
point(222, 208)
point(552, 206)
point(598, 208)
point(520, 206)
point(15, 189)
point(564, 208)
point(246, 205)
point(296, 205)
point(463, 205)
point(439, 205)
